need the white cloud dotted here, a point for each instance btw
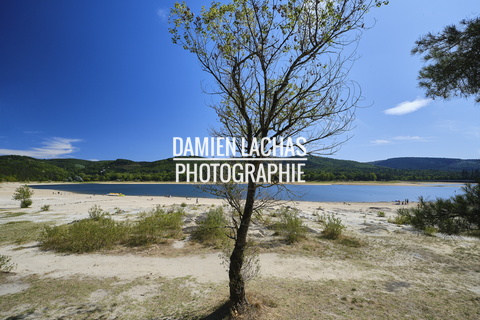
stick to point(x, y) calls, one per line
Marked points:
point(408, 107)
point(411, 138)
point(51, 148)
point(381, 141)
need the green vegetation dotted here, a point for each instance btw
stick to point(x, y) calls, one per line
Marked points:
point(96, 213)
point(20, 168)
point(403, 217)
point(24, 195)
point(154, 227)
point(45, 207)
point(86, 235)
point(290, 226)
point(381, 214)
point(333, 227)
point(212, 230)
point(454, 64)
point(100, 231)
point(450, 216)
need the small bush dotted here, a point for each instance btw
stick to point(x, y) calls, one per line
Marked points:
point(86, 235)
point(381, 214)
point(101, 232)
point(96, 213)
point(23, 194)
point(291, 226)
point(211, 230)
point(45, 207)
point(333, 228)
point(155, 226)
point(403, 217)
point(183, 205)
point(5, 264)
point(25, 203)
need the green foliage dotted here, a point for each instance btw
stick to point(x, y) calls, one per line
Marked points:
point(96, 213)
point(381, 214)
point(17, 168)
point(25, 203)
point(86, 235)
point(290, 226)
point(212, 229)
point(450, 216)
point(23, 194)
point(155, 226)
point(403, 216)
point(100, 231)
point(5, 264)
point(333, 227)
point(45, 207)
point(455, 66)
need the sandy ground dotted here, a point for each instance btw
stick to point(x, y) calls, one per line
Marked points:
point(66, 207)
point(360, 218)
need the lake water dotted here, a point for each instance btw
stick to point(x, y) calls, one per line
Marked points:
point(322, 193)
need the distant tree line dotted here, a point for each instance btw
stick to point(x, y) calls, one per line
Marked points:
point(19, 168)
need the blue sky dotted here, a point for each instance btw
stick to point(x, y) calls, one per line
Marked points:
point(102, 80)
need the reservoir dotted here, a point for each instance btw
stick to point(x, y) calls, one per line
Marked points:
point(303, 192)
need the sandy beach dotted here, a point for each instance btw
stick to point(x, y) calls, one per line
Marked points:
point(393, 261)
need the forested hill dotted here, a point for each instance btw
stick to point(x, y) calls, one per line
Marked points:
point(444, 164)
point(20, 168)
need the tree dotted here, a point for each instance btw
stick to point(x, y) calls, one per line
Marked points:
point(280, 70)
point(24, 195)
point(455, 65)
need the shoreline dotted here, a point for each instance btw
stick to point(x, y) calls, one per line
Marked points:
point(323, 183)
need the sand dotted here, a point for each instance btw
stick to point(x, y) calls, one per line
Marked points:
point(361, 220)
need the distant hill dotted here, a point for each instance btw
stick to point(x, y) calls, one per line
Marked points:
point(443, 164)
point(20, 168)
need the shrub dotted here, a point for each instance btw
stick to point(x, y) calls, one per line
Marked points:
point(101, 232)
point(381, 214)
point(183, 205)
point(25, 203)
point(450, 216)
point(23, 194)
point(155, 226)
point(86, 235)
point(45, 207)
point(333, 227)
point(291, 226)
point(403, 216)
point(211, 230)
point(96, 213)
point(5, 264)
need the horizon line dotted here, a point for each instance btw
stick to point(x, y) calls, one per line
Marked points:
point(240, 159)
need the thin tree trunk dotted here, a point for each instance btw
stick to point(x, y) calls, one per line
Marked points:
point(238, 297)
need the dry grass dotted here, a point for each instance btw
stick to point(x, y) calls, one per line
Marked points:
point(20, 232)
point(407, 276)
